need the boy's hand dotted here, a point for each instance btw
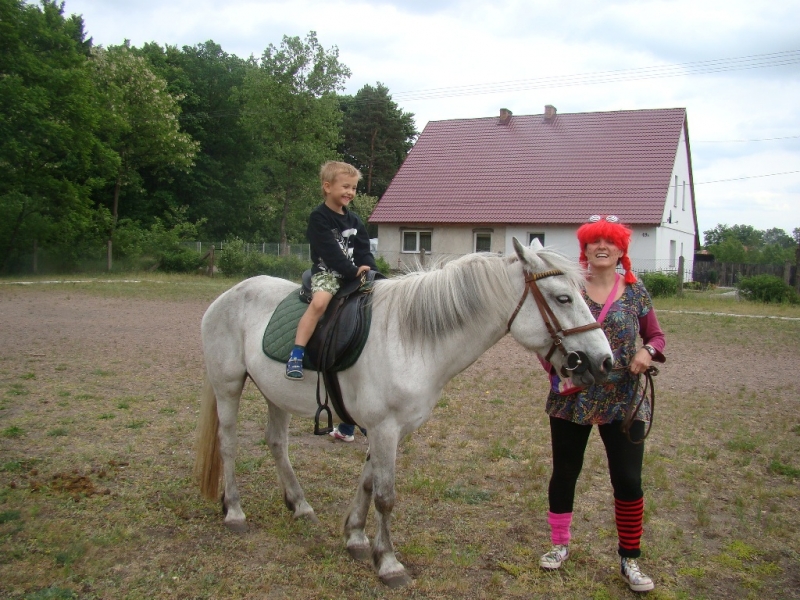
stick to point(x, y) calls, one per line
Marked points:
point(362, 269)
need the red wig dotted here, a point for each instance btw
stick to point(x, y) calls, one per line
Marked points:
point(616, 233)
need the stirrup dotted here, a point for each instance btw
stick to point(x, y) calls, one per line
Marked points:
point(294, 368)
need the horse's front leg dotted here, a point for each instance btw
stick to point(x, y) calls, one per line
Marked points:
point(355, 520)
point(383, 454)
point(277, 435)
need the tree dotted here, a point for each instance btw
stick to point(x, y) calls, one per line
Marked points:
point(745, 244)
point(50, 157)
point(363, 206)
point(140, 123)
point(289, 105)
point(748, 235)
point(377, 136)
point(203, 78)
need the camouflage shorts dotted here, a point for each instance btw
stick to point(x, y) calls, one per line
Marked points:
point(326, 282)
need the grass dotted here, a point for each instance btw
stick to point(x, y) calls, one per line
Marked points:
point(97, 498)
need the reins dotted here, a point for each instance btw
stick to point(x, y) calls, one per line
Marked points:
point(557, 333)
point(636, 405)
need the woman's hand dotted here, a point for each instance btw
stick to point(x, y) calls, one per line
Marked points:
point(641, 361)
point(362, 269)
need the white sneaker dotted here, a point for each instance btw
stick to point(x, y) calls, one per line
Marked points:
point(633, 576)
point(340, 436)
point(554, 558)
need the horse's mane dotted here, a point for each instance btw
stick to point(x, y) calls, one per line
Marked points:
point(433, 302)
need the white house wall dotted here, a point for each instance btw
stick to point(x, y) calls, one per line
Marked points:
point(677, 221)
point(448, 242)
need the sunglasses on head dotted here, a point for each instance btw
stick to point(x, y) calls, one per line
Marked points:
point(609, 218)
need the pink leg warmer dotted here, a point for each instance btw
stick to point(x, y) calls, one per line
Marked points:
point(559, 527)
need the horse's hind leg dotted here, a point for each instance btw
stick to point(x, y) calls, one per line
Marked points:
point(277, 434)
point(356, 540)
point(228, 396)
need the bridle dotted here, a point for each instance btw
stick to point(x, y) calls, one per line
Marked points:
point(557, 333)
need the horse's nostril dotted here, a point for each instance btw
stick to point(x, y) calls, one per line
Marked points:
point(608, 365)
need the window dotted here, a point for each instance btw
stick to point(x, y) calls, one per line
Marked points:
point(415, 241)
point(536, 236)
point(675, 203)
point(683, 201)
point(673, 249)
point(483, 242)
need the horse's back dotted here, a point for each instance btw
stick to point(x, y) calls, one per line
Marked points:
point(246, 305)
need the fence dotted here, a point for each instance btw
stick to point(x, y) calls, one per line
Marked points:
point(302, 251)
point(729, 274)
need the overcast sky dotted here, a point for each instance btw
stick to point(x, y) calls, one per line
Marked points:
point(733, 64)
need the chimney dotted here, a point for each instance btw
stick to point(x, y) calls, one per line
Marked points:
point(505, 116)
point(549, 112)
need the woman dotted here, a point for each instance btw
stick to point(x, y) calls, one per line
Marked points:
point(626, 312)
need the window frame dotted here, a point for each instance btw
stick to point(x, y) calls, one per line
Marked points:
point(536, 235)
point(418, 234)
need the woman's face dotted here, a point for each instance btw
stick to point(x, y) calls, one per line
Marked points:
point(602, 253)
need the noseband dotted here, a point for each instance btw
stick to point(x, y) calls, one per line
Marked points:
point(557, 333)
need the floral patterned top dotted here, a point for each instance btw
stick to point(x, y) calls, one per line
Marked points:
point(609, 401)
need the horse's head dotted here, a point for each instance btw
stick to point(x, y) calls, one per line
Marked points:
point(552, 318)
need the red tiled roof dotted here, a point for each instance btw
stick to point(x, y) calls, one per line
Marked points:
point(534, 171)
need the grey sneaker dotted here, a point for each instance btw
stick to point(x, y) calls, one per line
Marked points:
point(633, 576)
point(554, 558)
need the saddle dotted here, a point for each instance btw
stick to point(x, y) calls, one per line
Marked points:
point(337, 341)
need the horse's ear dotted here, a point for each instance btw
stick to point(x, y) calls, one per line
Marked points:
point(528, 255)
point(519, 249)
point(536, 244)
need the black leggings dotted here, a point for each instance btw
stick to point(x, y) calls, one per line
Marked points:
point(569, 444)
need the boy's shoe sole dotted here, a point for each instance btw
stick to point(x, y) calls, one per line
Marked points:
point(294, 369)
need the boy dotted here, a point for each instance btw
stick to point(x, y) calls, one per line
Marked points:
point(339, 252)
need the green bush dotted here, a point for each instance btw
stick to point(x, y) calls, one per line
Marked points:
point(180, 260)
point(383, 265)
point(660, 284)
point(767, 288)
point(286, 267)
point(232, 258)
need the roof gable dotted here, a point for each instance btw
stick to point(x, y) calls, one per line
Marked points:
point(533, 170)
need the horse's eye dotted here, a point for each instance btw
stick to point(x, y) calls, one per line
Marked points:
point(564, 299)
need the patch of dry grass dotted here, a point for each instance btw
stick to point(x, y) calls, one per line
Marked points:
point(98, 406)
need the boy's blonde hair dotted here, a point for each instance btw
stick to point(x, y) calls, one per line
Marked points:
point(332, 168)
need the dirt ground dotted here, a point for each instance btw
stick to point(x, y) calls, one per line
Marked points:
point(165, 336)
point(80, 347)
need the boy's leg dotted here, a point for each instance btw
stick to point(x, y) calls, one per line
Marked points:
point(305, 329)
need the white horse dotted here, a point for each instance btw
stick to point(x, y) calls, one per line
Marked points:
point(427, 327)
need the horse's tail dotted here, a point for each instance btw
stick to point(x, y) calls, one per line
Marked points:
point(208, 461)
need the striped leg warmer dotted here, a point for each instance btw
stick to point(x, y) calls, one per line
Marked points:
point(629, 516)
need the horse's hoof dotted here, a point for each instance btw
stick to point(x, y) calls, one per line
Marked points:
point(395, 580)
point(312, 516)
point(359, 552)
point(237, 526)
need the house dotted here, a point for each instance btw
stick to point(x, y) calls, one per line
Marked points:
point(471, 185)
